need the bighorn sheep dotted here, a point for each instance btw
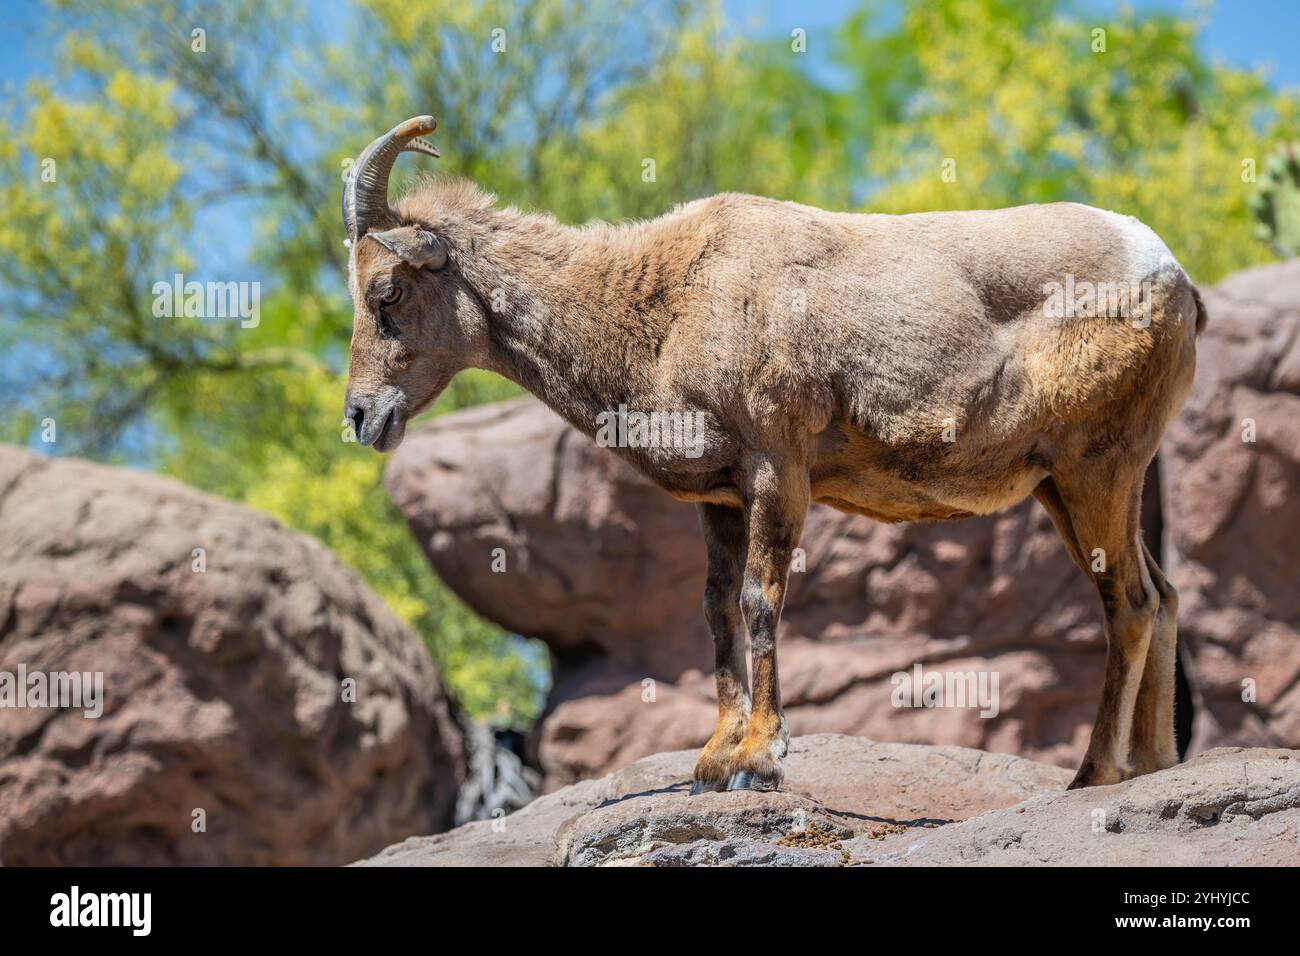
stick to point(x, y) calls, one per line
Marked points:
point(909, 368)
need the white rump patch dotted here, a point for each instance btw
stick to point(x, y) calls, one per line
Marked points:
point(1147, 252)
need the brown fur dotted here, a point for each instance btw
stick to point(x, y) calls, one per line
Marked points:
point(831, 354)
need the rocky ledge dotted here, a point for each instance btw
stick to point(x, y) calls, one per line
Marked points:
point(849, 801)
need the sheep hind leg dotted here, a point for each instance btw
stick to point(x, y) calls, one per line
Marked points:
point(724, 539)
point(1154, 745)
point(1103, 515)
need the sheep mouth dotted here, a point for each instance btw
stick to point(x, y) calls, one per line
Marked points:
point(391, 432)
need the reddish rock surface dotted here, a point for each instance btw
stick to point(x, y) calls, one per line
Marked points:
point(1232, 508)
point(848, 801)
point(849, 784)
point(597, 560)
point(221, 689)
point(609, 571)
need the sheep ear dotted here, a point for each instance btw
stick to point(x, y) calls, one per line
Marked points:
point(413, 245)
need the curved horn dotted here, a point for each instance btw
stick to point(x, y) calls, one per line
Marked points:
point(365, 188)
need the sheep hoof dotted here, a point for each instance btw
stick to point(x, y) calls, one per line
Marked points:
point(1091, 775)
point(748, 780)
point(705, 786)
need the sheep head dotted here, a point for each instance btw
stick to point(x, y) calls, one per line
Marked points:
point(415, 321)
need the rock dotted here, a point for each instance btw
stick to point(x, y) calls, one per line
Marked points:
point(849, 783)
point(570, 519)
point(221, 688)
point(1228, 807)
point(842, 686)
point(851, 801)
point(1233, 511)
point(523, 838)
point(679, 830)
point(603, 717)
point(609, 571)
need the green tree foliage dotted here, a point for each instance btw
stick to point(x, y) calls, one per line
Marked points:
point(1029, 102)
point(208, 139)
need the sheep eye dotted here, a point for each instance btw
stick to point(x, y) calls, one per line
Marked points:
point(393, 296)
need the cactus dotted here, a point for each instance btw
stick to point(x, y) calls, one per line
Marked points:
point(1276, 201)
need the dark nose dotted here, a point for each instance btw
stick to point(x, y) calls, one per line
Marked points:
point(355, 411)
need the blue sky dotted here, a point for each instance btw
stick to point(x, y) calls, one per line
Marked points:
point(1244, 33)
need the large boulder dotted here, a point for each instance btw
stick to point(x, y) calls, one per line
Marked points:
point(609, 571)
point(859, 783)
point(1226, 807)
point(259, 704)
point(603, 718)
point(849, 801)
point(552, 537)
point(1232, 507)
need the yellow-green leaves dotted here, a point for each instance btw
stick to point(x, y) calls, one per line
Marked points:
point(1013, 105)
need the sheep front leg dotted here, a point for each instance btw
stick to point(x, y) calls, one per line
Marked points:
point(777, 502)
point(724, 538)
